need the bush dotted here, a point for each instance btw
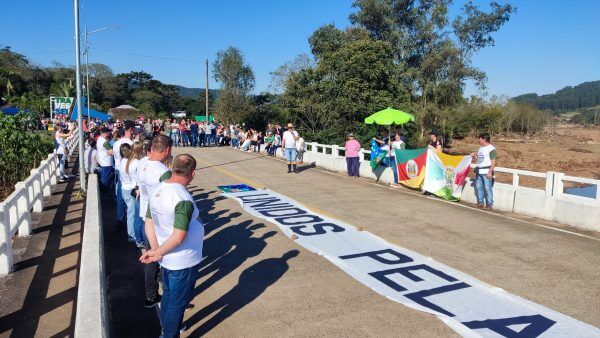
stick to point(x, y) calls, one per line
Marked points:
point(20, 151)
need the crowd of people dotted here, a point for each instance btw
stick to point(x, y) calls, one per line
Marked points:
point(148, 186)
point(136, 170)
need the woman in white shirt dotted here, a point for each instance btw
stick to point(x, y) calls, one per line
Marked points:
point(397, 144)
point(62, 151)
point(91, 157)
point(128, 174)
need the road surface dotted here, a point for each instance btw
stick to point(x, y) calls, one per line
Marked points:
point(264, 284)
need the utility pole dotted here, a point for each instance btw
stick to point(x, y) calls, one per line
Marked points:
point(87, 76)
point(206, 91)
point(82, 186)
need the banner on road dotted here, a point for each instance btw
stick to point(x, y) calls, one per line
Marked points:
point(467, 305)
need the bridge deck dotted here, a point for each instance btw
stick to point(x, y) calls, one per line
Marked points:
point(307, 295)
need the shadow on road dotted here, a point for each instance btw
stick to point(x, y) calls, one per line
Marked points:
point(251, 284)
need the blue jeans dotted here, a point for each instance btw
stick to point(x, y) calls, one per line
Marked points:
point(290, 155)
point(184, 138)
point(131, 212)
point(106, 179)
point(177, 289)
point(194, 139)
point(62, 164)
point(175, 138)
point(391, 162)
point(121, 207)
point(484, 188)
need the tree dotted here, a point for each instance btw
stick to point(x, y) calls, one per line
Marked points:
point(433, 52)
point(237, 81)
point(354, 77)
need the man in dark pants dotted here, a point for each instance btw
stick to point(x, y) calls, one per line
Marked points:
point(151, 173)
point(176, 236)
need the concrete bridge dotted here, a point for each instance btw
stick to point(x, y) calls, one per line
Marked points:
point(255, 281)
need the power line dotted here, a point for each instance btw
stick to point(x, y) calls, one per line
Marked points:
point(150, 56)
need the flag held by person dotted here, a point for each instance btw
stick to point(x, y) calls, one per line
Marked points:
point(411, 165)
point(377, 155)
point(445, 175)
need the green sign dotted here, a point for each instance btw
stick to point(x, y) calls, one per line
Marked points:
point(203, 118)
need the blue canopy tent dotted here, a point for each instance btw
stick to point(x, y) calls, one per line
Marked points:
point(93, 113)
point(10, 110)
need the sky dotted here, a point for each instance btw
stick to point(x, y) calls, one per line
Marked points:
point(546, 45)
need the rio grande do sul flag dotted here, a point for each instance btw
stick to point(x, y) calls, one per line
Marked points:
point(445, 175)
point(411, 167)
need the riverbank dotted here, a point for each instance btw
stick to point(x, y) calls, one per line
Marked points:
point(570, 149)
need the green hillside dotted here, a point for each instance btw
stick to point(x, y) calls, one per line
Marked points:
point(585, 95)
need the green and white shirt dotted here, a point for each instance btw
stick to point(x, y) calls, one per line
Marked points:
point(150, 174)
point(172, 207)
point(104, 158)
point(485, 155)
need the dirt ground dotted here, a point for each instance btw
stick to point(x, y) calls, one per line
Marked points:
point(570, 149)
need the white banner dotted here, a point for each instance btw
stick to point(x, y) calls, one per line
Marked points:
point(469, 306)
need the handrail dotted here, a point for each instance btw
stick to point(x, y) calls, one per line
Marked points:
point(91, 319)
point(554, 180)
point(15, 210)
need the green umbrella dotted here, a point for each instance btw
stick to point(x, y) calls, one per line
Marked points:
point(389, 116)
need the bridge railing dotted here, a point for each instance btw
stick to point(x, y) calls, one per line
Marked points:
point(28, 197)
point(549, 202)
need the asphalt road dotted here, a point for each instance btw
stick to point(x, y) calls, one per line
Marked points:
point(257, 282)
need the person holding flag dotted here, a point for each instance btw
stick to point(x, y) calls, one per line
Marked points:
point(484, 171)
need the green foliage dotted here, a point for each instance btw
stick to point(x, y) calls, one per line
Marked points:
point(28, 86)
point(21, 150)
point(237, 81)
point(588, 116)
point(409, 55)
point(585, 95)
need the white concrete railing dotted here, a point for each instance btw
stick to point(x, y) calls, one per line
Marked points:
point(15, 210)
point(550, 203)
point(91, 319)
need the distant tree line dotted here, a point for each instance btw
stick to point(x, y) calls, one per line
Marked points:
point(585, 95)
point(29, 86)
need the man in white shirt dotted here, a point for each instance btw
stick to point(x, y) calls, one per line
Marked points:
point(290, 137)
point(176, 237)
point(105, 161)
point(484, 172)
point(150, 173)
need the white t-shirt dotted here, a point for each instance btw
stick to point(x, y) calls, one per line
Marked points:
point(172, 207)
point(62, 145)
point(485, 155)
point(300, 145)
point(289, 139)
point(128, 180)
point(399, 145)
point(104, 158)
point(117, 150)
point(150, 174)
point(91, 160)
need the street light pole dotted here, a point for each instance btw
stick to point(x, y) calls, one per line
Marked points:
point(206, 92)
point(87, 76)
point(82, 185)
